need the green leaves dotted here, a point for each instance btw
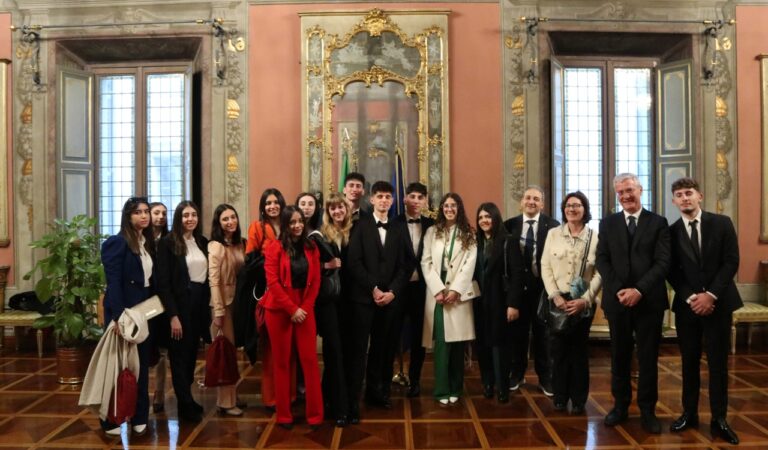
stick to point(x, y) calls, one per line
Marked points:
point(72, 276)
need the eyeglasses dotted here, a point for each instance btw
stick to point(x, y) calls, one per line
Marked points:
point(573, 205)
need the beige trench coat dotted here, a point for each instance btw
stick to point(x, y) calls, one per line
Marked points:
point(458, 317)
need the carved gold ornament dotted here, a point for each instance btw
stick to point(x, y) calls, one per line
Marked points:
point(233, 109)
point(26, 168)
point(722, 161)
point(515, 41)
point(240, 44)
point(518, 106)
point(232, 164)
point(519, 161)
point(721, 108)
point(26, 114)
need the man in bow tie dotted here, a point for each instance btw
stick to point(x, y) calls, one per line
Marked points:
point(705, 258)
point(414, 225)
point(378, 271)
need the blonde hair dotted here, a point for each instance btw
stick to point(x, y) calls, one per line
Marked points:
point(331, 231)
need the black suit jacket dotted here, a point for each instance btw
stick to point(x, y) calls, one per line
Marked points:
point(718, 266)
point(514, 227)
point(643, 266)
point(414, 259)
point(371, 264)
point(172, 274)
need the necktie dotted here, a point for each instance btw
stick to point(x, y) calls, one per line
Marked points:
point(529, 241)
point(695, 238)
point(632, 227)
point(414, 220)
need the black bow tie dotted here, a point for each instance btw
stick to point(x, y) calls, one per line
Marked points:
point(414, 220)
point(384, 225)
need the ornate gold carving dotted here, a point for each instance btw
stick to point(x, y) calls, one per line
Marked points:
point(376, 22)
point(515, 41)
point(412, 86)
point(519, 161)
point(721, 108)
point(233, 109)
point(435, 69)
point(518, 106)
point(26, 167)
point(722, 161)
point(314, 70)
point(26, 114)
point(232, 164)
point(239, 44)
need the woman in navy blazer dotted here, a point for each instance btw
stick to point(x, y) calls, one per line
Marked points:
point(128, 269)
point(182, 283)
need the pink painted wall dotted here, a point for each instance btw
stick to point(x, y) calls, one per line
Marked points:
point(274, 112)
point(751, 41)
point(6, 254)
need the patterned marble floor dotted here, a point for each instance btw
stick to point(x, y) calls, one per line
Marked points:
point(38, 413)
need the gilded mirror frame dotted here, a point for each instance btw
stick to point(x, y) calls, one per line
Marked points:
point(324, 33)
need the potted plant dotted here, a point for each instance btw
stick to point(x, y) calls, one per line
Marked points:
point(72, 277)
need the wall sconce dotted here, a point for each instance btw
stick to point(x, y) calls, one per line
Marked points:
point(531, 27)
point(711, 35)
point(31, 36)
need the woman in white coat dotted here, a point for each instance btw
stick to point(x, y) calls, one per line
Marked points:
point(448, 264)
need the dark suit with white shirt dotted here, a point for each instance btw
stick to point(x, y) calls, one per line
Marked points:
point(710, 269)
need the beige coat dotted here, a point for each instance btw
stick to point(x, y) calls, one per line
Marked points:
point(223, 264)
point(458, 317)
point(561, 261)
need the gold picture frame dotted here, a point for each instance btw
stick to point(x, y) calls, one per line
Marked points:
point(5, 239)
point(763, 58)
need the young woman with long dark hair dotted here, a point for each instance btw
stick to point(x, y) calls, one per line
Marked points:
point(158, 217)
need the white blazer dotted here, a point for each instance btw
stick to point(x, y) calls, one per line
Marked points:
point(458, 317)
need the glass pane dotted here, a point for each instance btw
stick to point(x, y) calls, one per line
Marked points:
point(584, 136)
point(116, 124)
point(632, 89)
point(166, 138)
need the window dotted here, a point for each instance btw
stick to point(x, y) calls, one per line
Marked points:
point(143, 139)
point(605, 128)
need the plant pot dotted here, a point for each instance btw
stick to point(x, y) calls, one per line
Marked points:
point(72, 363)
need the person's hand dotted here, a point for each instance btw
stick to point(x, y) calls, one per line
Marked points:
point(575, 306)
point(703, 304)
point(385, 299)
point(299, 316)
point(116, 328)
point(218, 321)
point(559, 301)
point(451, 298)
point(377, 294)
point(440, 298)
point(176, 332)
point(629, 297)
point(512, 314)
point(335, 263)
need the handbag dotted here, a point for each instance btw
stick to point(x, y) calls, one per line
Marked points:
point(330, 280)
point(251, 283)
point(557, 320)
point(221, 363)
point(122, 402)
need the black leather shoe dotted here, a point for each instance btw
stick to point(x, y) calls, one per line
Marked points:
point(685, 421)
point(720, 428)
point(354, 414)
point(615, 417)
point(342, 421)
point(488, 391)
point(414, 390)
point(502, 396)
point(190, 415)
point(650, 423)
point(560, 406)
point(286, 425)
point(577, 409)
point(378, 400)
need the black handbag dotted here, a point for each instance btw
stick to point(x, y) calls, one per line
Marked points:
point(330, 280)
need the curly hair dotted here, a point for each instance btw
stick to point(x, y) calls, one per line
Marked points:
point(465, 232)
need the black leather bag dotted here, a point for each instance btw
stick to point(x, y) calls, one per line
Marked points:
point(556, 320)
point(330, 280)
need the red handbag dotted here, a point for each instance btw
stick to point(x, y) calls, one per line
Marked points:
point(221, 363)
point(122, 402)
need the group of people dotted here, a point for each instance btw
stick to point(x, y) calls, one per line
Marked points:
point(370, 285)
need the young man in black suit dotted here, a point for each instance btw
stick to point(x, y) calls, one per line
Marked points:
point(414, 225)
point(379, 271)
point(354, 191)
point(705, 258)
point(530, 229)
point(633, 258)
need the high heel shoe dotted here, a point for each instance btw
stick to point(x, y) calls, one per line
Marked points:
point(233, 411)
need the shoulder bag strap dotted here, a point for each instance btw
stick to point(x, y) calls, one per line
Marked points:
point(586, 253)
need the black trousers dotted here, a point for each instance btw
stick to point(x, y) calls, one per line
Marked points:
point(494, 365)
point(528, 324)
point(570, 364)
point(626, 325)
point(712, 333)
point(194, 315)
point(411, 316)
point(334, 382)
point(378, 322)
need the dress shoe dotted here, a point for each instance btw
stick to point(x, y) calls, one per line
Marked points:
point(488, 391)
point(453, 400)
point(286, 425)
point(113, 431)
point(546, 390)
point(444, 401)
point(140, 429)
point(720, 428)
point(377, 400)
point(242, 404)
point(197, 407)
point(560, 405)
point(341, 421)
point(414, 390)
point(190, 415)
point(650, 423)
point(158, 404)
point(233, 411)
point(577, 409)
point(354, 414)
point(684, 422)
point(503, 396)
point(515, 385)
point(315, 426)
point(615, 417)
